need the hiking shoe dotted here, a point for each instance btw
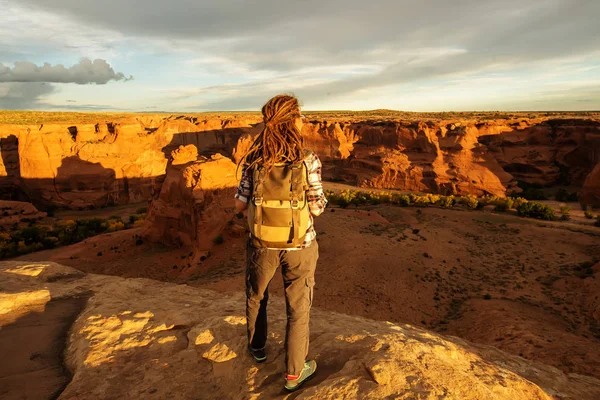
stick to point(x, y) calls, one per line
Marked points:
point(293, 383)
point(259, 355)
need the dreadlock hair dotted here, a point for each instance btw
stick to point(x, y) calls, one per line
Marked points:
point(280, 140)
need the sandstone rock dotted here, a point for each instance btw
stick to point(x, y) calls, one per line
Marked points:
point(132, 341)
point(184, 154)
point(194, 204)
point(129, 158)
point(591, 188)
point(12, 212)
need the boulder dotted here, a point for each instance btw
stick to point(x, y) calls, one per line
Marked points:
point(195, 203)
point(140, 338)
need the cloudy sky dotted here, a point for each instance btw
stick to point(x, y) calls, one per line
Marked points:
point(198, 55)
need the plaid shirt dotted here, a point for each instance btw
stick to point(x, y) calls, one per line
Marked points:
point(314, 195)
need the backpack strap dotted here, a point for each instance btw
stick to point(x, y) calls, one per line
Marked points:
point(297, 193)
point(257, 198)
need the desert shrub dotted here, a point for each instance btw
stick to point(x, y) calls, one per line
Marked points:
point(564, 209)
point(95, 225)
point(138, 223)
point(565, 212)
point(114, 225)
point(62, 233)
point(136, 217)
point(402, 200)
point(50, 242)
point(469, 201)
point(518, 201)
point(504, 204)
point(509, 202)
point(142, 210)
point(115, 217)
point(588, 214)
point(445, 201)
point(418, 200)
point(32, 234)
point(537, 210)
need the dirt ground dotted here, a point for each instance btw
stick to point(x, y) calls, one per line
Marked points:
point(524, 286)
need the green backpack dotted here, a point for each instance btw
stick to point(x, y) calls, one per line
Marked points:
point(278, 213)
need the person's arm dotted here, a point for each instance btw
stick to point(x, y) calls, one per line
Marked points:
point(240, 205)
point(314, 195)
point(244, 191)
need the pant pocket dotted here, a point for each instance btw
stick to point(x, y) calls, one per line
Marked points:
point(310, 284)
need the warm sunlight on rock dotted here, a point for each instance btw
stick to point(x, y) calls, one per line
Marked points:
point(110, 335)
point(29, 270)
point(205, 337)
point(219, 353)
point(14, 305)
point(351, 338)
point(167, 339)
point(235, 320)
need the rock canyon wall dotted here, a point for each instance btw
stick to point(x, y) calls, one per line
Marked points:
point(94, 165)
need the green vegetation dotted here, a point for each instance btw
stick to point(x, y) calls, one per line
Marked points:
point(524, 208)
point(588, 214)
point(536, 210)
point(470, 201)
point(565, 212)
point(504, 204)
point(137, 220)
point(62, 233)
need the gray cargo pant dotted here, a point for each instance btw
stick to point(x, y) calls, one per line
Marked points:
point(298, 270)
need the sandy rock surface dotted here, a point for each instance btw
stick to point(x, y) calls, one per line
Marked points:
point(138, 338)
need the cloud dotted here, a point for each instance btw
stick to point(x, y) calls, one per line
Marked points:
point(234, 53)
point(86, 71)
point(23, 96)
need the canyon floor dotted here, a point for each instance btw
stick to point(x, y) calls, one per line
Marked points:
point(527, 287)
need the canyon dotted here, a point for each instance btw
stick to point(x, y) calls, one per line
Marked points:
point(101, 164)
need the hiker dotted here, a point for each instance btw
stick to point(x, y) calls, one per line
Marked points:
point(281, 188)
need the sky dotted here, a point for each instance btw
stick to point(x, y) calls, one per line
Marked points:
point(197, 55)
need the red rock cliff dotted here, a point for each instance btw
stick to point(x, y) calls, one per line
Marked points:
point(102, 164)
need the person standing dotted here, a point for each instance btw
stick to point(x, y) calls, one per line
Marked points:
point(281, 189)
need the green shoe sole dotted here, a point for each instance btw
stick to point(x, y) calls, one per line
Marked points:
point(302, 382)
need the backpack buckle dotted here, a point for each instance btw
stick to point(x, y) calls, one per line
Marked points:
point(294, 203)
point(257, 201)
